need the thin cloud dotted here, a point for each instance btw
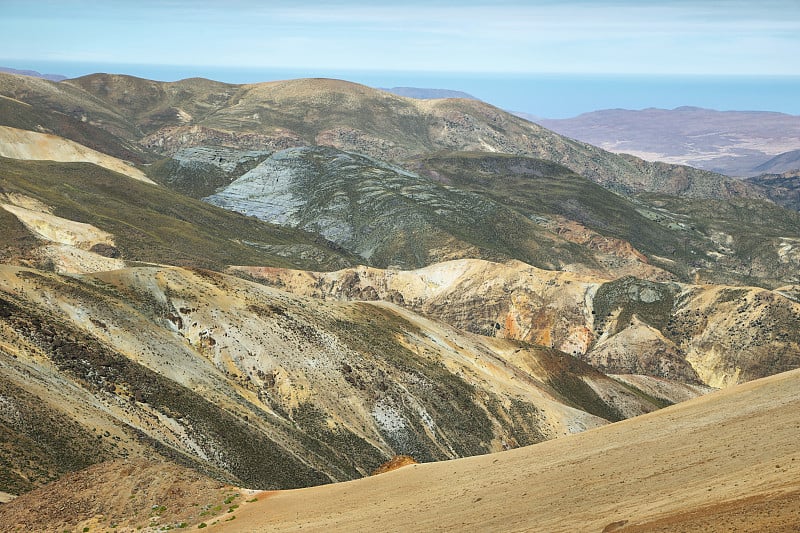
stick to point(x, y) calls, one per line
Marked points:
point(667, 36)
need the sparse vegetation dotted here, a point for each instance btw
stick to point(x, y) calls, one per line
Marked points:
point(190, 232)
point(261, 388)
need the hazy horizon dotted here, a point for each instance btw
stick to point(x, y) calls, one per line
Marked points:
point(549, 58)
point(544, 95)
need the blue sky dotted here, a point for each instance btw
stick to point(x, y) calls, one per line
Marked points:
point(174, 38)
point(607, 36)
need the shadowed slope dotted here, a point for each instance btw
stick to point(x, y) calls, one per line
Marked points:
point(18, 114)
point(564, 202)
point(27, 145)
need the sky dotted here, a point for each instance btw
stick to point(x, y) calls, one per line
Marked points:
point(430, 40)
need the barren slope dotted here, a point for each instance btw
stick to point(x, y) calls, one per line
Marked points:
point(46, 119)
point(260, 387)
point(22, 144)
point(122, 495)
point(723, 462)
point(716, 335)
point(146, 223)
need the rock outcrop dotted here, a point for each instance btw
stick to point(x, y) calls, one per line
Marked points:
point(714, 335)
point(260, 387)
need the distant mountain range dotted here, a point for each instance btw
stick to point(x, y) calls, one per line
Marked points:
point(33, 73)
point(427, 94)
point(734, 143)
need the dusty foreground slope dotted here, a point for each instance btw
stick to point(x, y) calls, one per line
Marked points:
point(723, 462)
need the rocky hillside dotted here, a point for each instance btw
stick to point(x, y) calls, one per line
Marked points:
point(263, 388)
point(783, 189)
point(714, 335)
point(388, 216)
point(737, 242)
point(202, 170)
point(245, 383)
point(499, 207)
point(530, 286)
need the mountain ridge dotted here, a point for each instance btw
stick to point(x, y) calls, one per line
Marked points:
point(348, 116)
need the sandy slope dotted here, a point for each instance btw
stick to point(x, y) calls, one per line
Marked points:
point(725, 461)
point(21, 144)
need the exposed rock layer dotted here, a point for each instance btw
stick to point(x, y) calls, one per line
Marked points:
point(716, 335)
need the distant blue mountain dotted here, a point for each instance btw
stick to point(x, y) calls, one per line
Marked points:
point(427, 94)
point(33, 73)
